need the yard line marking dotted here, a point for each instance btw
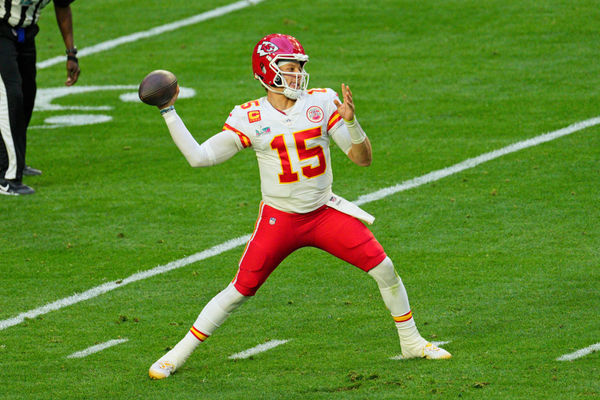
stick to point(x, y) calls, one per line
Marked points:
point(579, 353)
point(223, 247)
point(258, 349)
point(107, 287)
point(473, 162)
point(399, 357)
point(97, 348)
point(110, 44)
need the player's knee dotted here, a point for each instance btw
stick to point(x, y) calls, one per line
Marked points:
point(230, 298)
point(384, 274)
point(246, 287)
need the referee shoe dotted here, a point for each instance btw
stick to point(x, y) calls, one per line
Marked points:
point(11, 188)
point(30, 171)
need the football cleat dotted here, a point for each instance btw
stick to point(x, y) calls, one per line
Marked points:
point(429, 351)
point(161, 370)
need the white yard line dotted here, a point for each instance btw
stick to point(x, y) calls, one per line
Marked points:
point(107, 287)
point(97, 348)
point(221, 248)
point(473, 162)
point(580, 353)
point(134, 37)
point(257, 349)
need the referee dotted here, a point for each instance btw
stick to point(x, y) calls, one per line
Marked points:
point(18, 27)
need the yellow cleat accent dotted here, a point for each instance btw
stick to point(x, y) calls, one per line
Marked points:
point(161, 370)
point(426, 350)
point(432, 352)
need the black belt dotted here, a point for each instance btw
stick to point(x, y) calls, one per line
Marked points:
point(20, 34)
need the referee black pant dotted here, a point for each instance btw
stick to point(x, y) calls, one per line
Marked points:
point(17, 97)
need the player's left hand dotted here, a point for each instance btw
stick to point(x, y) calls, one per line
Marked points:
point(72, 72)
point(345, 109)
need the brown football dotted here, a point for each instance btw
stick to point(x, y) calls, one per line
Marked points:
point(158, 87)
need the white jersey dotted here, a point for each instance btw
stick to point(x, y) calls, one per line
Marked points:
point(292, 147)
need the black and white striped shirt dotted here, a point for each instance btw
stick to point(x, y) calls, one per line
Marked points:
point(23, 13)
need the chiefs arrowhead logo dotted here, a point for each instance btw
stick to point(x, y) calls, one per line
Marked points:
point(315, 114)
point(266, 48)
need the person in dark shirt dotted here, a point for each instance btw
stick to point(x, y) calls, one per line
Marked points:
point(18, 28)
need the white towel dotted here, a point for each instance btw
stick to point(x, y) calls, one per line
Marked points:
point(347, 207)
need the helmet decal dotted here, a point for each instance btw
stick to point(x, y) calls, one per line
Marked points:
point(266, 48)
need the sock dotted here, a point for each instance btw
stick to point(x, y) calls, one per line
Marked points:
point(408, 332)
point(396, 300)
point(212, 316)
point(182, 350)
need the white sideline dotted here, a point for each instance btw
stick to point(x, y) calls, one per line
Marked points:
point(257, 349)
point(110, 44)
point(97, 348)
point(230, 244)
point(579, 353)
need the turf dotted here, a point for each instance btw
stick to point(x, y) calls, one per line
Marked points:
point(501, 260)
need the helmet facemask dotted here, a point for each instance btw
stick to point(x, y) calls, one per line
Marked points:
point(299, 81)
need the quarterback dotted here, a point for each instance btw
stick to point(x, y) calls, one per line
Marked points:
point(290, 130)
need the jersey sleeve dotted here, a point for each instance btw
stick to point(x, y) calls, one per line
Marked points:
point(335, 120)
point(217, 149)
point(221, 147)
point(236, 125)
point(341, 137)
point(336, 128)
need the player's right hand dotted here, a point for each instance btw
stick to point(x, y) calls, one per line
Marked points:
point(173, 99)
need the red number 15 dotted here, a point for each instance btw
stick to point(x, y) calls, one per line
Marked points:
point(304, 153)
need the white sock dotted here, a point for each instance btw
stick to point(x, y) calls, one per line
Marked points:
point(182, 350)
point(212, 316)
point(396, 300)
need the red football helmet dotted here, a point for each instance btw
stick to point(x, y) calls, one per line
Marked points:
point(275, 48)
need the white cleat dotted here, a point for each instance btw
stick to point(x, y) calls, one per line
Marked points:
point(432, 352)
point(161, 370)
point(429, 351)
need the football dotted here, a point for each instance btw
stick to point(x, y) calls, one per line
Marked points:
point(158, 87)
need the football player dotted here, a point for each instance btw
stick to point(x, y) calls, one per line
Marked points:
point(290, 130)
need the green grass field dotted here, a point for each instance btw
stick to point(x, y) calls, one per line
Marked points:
point(501, 260)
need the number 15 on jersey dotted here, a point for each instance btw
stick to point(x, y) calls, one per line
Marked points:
point(288, 175)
